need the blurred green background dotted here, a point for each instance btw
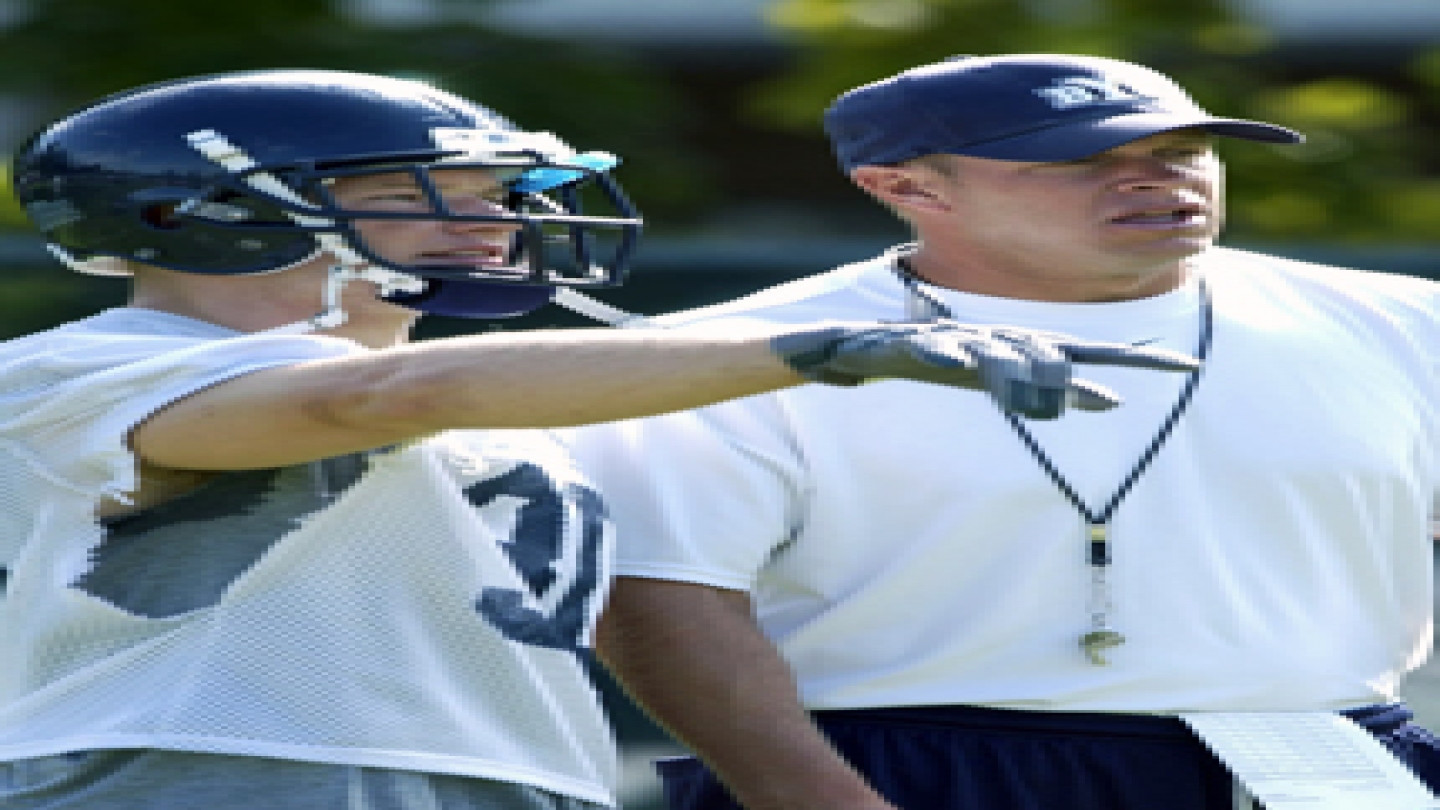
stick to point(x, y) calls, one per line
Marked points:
point(714, 106)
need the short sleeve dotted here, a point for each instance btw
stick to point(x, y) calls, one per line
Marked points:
point(702, 496)
point(70, 399)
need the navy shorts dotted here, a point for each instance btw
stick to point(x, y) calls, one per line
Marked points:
point(963, 758)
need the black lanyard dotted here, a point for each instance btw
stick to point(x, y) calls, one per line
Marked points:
point(1100, 636)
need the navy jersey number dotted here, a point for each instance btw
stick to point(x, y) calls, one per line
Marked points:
point(556, 547)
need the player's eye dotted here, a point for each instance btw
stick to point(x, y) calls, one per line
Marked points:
point(386, 198)
point(491, 197)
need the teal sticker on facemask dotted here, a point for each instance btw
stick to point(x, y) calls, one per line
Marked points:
point(549, 177)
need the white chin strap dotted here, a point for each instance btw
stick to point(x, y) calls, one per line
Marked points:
point(576, 301)
point(389, 282)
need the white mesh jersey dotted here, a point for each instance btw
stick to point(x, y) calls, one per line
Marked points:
point(423, 607)
point(903, 546)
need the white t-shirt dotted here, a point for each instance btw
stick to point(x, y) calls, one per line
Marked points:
point(422, 607)
point(903, 546)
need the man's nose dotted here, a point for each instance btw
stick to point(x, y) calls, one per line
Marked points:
point(474, 206)
point(1153, 173)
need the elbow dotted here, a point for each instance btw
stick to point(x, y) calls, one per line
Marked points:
point(378, 396)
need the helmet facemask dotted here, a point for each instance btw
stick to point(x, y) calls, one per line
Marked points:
point(555, 241)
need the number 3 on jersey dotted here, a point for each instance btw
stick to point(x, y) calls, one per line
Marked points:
point(557, 547)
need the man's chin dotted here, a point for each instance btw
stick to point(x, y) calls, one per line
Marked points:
point(1176, 248)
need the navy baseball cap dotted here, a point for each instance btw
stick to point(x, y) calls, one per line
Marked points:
point(1032, 107)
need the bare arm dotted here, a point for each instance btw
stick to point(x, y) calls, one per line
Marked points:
point(317, 409)
point(693, 657)
point(324, 408)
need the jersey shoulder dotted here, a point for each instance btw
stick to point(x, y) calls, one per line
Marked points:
point(1345, 280)
point(1414, 300)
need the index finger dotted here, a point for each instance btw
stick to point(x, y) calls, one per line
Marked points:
point(1120, 354)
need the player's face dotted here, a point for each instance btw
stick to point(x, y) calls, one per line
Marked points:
point(1138, 209)
point(479, 244)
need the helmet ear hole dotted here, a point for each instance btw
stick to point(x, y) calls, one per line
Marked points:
point(161, 216)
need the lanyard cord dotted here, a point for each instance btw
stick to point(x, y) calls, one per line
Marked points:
point(1181, 403)
point(922, 304)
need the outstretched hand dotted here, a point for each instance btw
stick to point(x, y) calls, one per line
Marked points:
point(1028, 372)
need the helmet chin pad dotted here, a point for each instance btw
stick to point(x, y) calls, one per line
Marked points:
point(474, 299)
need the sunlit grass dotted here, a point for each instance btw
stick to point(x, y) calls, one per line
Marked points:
point(11, 214)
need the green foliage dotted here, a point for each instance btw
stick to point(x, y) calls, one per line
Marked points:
point(68, 52)
point(11, 216)
point(1366, 173)
point(35, 298)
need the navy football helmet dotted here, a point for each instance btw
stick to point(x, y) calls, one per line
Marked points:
point(228, 175)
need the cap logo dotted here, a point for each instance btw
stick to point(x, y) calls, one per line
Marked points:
point(1083, 91)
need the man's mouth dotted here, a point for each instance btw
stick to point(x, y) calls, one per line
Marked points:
point(1172, 215)
point(485, 255)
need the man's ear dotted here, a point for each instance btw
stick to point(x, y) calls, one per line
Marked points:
point(903, 188)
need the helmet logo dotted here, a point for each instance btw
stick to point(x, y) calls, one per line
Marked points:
point(467, 141)
point(483, 143)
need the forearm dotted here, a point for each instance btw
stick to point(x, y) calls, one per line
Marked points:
point(298, 413)
point(693, 658)
point(570, 377)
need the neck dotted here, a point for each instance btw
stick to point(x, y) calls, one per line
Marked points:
point(254, 304)
point(1041, 285)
